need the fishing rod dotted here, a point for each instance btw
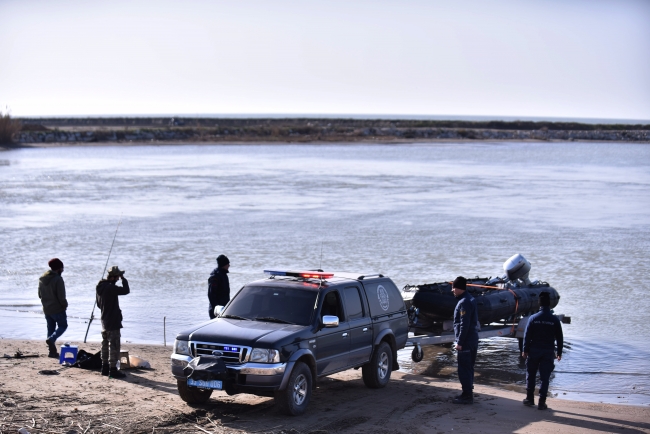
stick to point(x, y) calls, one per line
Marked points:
point(92, 314)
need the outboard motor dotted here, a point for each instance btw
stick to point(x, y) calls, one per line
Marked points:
point(517, 268)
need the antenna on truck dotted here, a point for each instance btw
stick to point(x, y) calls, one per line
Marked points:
point(320, 265)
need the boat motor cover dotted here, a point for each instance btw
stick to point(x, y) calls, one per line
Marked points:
point(516, 267)
point(206, 368)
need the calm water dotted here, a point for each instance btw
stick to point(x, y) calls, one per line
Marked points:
point(579, 212)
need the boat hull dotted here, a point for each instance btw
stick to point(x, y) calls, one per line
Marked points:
point(436, 301)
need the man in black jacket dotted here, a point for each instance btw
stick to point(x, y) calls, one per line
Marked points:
point(219, 285)
point(542, 331)
point(107, 301)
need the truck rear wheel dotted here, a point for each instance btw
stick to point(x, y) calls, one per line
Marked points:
point(376, 373)
point(192, 395)
point(294, 399)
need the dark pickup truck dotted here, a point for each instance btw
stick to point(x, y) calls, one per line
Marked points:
point(278, 335)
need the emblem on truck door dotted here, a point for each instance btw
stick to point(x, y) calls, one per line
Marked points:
point(382, 295)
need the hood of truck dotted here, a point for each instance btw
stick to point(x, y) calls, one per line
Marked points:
point(243, 333)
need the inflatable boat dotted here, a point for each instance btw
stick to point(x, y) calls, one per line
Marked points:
point(498, 299)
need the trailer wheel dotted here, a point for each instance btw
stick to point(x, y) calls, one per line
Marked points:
point(376, 373)
point(192, 395)
point(418, 354)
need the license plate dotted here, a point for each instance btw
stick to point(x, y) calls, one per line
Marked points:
point(205, 384)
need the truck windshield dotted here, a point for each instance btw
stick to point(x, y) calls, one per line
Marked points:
point(283, 305)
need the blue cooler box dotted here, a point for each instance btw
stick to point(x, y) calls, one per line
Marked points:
point(68, 354)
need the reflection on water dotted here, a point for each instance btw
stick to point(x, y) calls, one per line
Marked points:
point(417, 213)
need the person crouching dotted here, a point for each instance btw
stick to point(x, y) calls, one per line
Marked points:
point(108, 302)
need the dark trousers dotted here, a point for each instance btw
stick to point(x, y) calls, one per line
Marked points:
point(542, 361)
point(111, 347)
point(466, 360)
point(211, 312)
point(57, 319)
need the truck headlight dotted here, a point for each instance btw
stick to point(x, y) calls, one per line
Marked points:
point(182, 347)
point(262, 355)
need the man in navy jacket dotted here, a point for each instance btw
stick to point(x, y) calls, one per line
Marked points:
point(542, 332)
point(466, 329)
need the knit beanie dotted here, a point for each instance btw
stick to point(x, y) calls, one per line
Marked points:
point(545, 299)
point(222, 260)
point(460, 283)
point(55, 264)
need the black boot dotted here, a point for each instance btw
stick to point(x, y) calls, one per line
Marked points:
point(465, 398)
point(105, 370)
point(530, 398)
point(542, 404)
point(53, 353)
point(114, 373)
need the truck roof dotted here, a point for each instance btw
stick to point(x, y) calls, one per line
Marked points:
point(315, 283)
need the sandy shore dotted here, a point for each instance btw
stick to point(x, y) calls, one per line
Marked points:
point(80, 401)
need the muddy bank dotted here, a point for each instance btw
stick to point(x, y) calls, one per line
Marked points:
point(79, 401)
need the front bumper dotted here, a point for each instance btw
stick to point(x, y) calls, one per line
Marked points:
point(246, 377)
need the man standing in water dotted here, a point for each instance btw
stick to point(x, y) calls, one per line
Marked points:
point(466, 329)
point(542, 331)
point(108, 303)
point(51, 291)
point(219, 285)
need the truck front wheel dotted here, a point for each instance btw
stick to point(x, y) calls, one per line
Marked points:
point(192, 395)
point(376, 373)
point(294, 399)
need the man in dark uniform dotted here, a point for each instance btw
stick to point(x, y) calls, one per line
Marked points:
point(542, 331)
point(219, 285)
point(466, 329)
point(51, 291)
point(108, 302)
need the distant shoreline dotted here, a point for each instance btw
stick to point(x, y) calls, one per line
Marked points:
point(158, 130)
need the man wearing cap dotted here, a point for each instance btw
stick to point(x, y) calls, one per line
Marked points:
point(108, 303)
point(219, 285)
point(466, 329)
point(542, 332)
point(51, 291)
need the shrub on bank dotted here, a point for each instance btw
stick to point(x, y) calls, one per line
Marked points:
point(8, 128)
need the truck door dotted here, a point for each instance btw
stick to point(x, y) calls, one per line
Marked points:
point(360, 326)
point(332, 344)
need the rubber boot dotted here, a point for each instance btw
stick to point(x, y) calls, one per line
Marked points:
point(542, 404)
point(105, 370)
point(114, 373)
point(530, 398)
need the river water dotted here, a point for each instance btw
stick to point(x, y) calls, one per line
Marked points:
point(579, 212)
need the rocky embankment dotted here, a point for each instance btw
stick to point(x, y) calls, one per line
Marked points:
point(312, 130)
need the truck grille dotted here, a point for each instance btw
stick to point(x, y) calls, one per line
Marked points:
point(232, 354)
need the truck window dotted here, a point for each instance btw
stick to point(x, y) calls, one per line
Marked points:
point(288, 304)
point(353, 302)
point(383, 297)
point(332, 305)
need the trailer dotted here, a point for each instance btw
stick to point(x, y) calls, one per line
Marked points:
point(419, 337)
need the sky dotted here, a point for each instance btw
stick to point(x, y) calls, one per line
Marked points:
point(534, 58)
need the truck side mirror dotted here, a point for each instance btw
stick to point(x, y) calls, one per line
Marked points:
point(330, 321)
point(217, 310)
